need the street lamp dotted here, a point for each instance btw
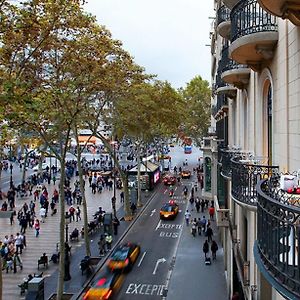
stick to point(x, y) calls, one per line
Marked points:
point(11, 180)
point(67, 276)
point(113, 199)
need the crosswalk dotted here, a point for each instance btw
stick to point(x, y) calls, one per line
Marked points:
point(46, 242)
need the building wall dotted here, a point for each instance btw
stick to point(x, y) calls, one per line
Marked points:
point(247, 129)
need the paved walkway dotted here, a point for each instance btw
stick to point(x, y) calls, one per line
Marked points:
point(191, 278)
point(46, 242)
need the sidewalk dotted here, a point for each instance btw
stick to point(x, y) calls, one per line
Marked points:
point(190, 277)
point(49, 236)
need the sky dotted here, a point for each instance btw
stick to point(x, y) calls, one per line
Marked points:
point(166, 37)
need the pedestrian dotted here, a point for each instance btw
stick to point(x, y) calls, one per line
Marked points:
point(133, 208)
point(211, 212)
point(214, 249)
point(194, 227)
point(78, 212)
point(116, 224)
point(187, 216)
point(209, 233)
point(43, 214)
point(203, 222)
point(72, 213)
point(199, 226)
point(202, 204)
point(108, 241)
point(37, 227)
point(185, 191)
point(101, 245)
point(11, 218)
point(205, 248)
point(122, 197)
point(197, 204)
point(19, 243)
point(206, 201)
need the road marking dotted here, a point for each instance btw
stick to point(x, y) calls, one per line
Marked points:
point(158, 225)
point(173, 235)
point(152, 212)
point(160, 260)
point(145, 289)
point(165, 191)
point(142, 258)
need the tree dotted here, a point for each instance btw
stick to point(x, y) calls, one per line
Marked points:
point(196, 95)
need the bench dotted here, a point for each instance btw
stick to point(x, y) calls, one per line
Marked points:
point(43, 260)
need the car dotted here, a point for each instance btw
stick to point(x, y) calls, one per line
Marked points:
point(105, 285)
point(169, 180)
point(169, 210)
point(124, 256)
point(185, 174)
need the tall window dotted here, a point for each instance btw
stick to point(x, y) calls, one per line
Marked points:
point(269, 112)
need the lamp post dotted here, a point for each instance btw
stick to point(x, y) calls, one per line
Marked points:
point(67, 276)
point(11, 180)
point(113, 199)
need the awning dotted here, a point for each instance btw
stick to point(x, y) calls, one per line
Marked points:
point(83, 139)
point(149, 166)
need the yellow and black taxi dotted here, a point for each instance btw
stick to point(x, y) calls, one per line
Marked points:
point(105, 285)
point(185, 174)
point(169, 180)
point(124, 257)
point(169, 210)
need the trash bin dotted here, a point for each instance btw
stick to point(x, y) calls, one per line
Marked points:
point(35, 289)
point(107, 223)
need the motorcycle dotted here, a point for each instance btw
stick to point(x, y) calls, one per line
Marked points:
point(24, 285)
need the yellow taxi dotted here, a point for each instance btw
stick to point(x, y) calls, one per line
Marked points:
point(185, 174)
point(104, 286)
point(124, 257)
point(169, 210)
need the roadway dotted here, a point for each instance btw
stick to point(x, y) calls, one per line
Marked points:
point(159, 240)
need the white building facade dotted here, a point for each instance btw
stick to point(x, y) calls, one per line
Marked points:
point(255, 46)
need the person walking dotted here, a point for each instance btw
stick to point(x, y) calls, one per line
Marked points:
point(43, 214)
point(122, 197)
point(101, 245)
point(205, 248)
point(115, 224)
point(214, 249)
point(202, 204)
point(194, 227)
point(78, 212)
point(211, 212)
point(209, 233)
point(197, 204)
point(108, 241)
point(187, 217)
point(37, 227)
point(199, 226)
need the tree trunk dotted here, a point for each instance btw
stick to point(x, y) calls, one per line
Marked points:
point(122, 174)
point(84, 204)
point(25, 164)
point(60, 283)
point(1, 283)
point(139, 196)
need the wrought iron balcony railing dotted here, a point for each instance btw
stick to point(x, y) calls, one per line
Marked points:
point(276, 250)
point(245, 176)
point(227, 64)
point(225, 160)
point(223, 14)
point(248, 17)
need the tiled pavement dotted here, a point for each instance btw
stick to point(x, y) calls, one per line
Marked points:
point(46, 242)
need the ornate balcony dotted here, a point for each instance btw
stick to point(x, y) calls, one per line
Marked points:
point(232, 72)
point(253, 34)
point(221, 107)
point(223, 22)
point(226, 156)
point(246, 173)
point(230, 3)
point(276, 250)
point(222, 88)
point(283, 9)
